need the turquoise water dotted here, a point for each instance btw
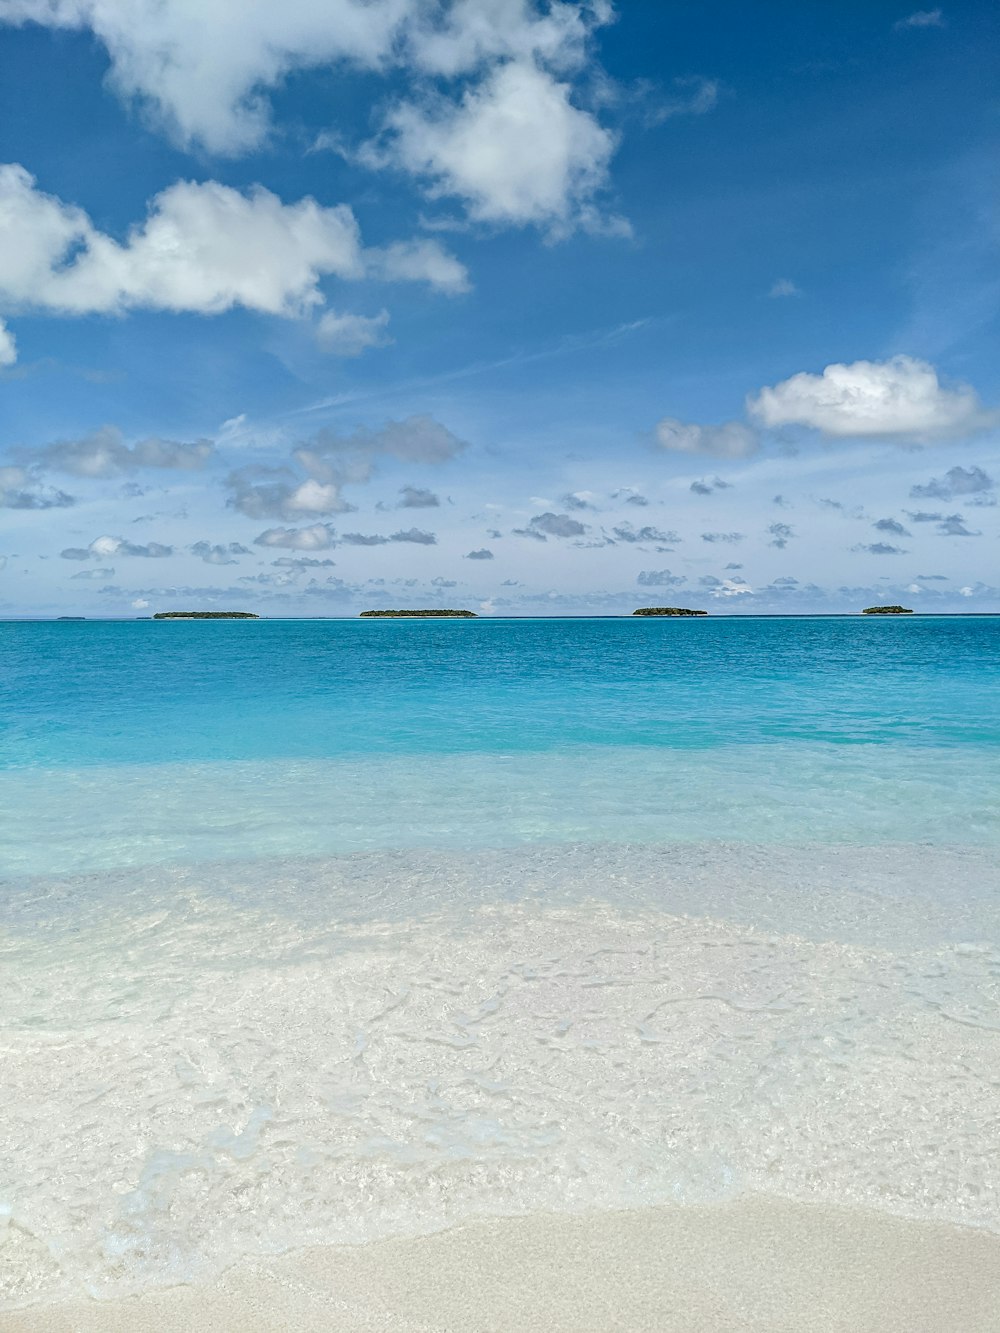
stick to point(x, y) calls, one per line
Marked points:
point(78, 694)
point(126, 743)
point(317, 932)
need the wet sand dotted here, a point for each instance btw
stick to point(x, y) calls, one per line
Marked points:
point(755, 1264)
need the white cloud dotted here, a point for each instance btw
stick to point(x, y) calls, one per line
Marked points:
point(203, 67)
point(922, 18)
point(727, 587)
point(351, 458)
point(18, 490)
point(732, 439)
point(330, 462)
point(350, 335)
point(102, 548)
point(956, 481)
point(200, 65)
point(784, 287)
point(317, 537)
point(8, 346)
point(105, 454)
point(899, 398)
point(202, 247)
point(515, 149)
point(543, 526)
point(418, 497)
point(218, 554)
point(473, 32)
point(659, 578)
point(698, 96)
point(278, 493)
point(419, 261)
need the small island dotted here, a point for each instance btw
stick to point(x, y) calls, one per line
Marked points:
point(71, 617)
point(887, 611)
point(206, 615)
point(667, 611)
point(465, 615)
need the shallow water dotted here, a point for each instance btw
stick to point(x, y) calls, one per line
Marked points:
point(318, 931)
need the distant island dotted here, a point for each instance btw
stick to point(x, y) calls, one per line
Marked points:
point(667, 611)
point(465, 615)
point(71, 617)
point(887, 611)
point(206, 615)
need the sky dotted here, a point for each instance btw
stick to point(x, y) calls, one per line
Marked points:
point(528, 308)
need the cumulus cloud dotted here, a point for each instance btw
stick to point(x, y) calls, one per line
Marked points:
point(515, 149)
point(18, 490)
point(780, 534)
point(330, 456)
point(300, 563)
point(953, 525)
point(416, 535)
point(316, 537)
point(658, 578)
point(260, 492)
point(734, 587)
point(900, 398)
point(579, 500)
point(419, 261)
point(218, 554)
point(105, 454)
point(104, 548)
point(626, 532)
point(892, 525)
point(364, 539)
point(484, 553)
point(203, 247)
point(414, 497)
point(543, 526)
point(630, 496)
point(705, 486)
point(733, 439)
point(879, 548)
point(350, 335)
point(327, 462)
point(956, 481)
point(728, 537)
point(203, 70)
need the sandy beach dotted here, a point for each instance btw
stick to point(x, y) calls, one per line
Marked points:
point(756, 1264)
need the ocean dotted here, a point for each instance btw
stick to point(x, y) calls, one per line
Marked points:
point(326, 931)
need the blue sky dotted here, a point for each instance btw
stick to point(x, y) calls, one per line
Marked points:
point(316, 306)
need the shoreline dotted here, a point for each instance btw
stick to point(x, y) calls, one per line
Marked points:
point(753, 1265)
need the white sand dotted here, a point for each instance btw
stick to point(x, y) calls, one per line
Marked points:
point(751, 1265)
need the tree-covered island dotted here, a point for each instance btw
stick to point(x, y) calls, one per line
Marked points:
point(667, 611)
point(406, 615)
point(206, 615)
